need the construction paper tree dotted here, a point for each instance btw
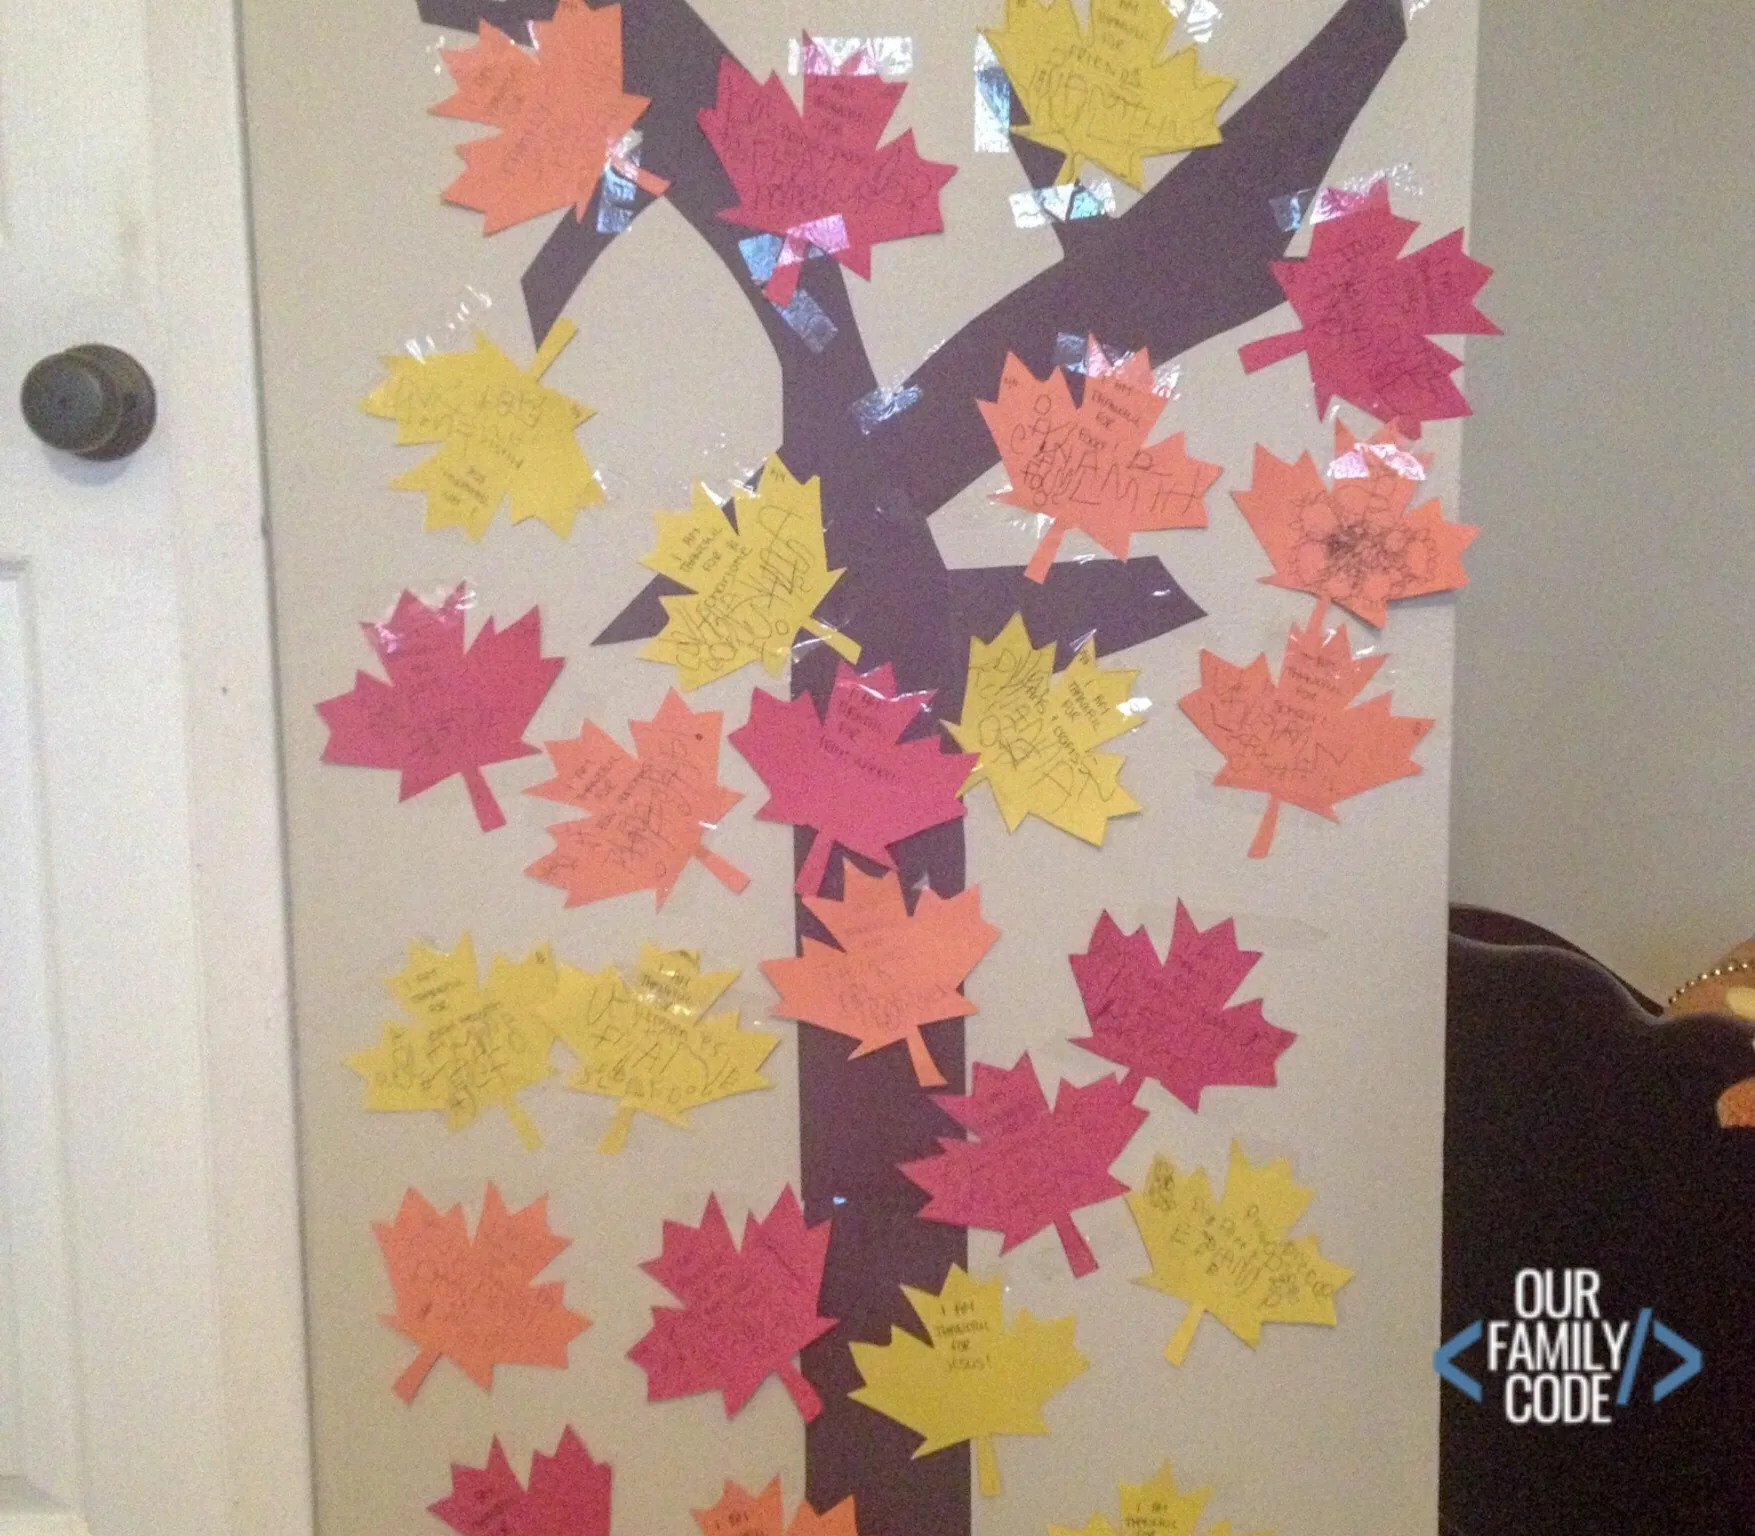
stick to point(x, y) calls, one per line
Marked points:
point(1190, 260)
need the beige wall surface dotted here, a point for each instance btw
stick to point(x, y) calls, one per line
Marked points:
point(1320, 1432)
point(1605, 714)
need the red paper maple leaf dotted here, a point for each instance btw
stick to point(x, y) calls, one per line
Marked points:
point(1029, 1167)
point(745, 1314)
point(473, 1299)
point(818, 178)
point(560, 110)
point(850, 774)
point(1298, 739)
point(1366, 312)
point(1356, 544)
point(648, 810)
point(1169, 1020)
point(568, 1495)
point(444, 710)
point(1087, 466)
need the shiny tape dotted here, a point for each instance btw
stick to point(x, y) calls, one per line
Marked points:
point(993, 102)
point(886, 56)
point(1201, 17)
point(1041, 206)
point(870, 411)
point(1311, 205)
point(1079, 354)
point(1352, 466)
point(621, 173)
point(761, 254)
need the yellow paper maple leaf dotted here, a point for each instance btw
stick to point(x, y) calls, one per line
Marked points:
point(505, 436)
point(1151, 1508)
point(976, 1378)
point(1036, 734)
point(649, 1044)
point(1107, 95)
point(1231, 1257)
point(752, 587)
point(470, 1045)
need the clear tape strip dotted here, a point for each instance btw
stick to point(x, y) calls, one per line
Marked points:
point(993, 102)
point(1087, 355)
point(1041, 206)
point(1312, 205)
point(890, 57)
point(457, 327)
point(1200, 18)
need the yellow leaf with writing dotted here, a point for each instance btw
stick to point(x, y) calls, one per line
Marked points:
point(1037, 734)
point(1231, 1257)
point(504, 436)
point(650, 1044)
point(752, 587)
point(976, 1378)
point(1107, 94)
point(1152, 1508)
point(469, 1045)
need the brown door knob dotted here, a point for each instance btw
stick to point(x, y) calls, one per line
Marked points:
point(93, 400)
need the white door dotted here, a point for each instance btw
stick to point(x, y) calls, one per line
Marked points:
point(151, 1372)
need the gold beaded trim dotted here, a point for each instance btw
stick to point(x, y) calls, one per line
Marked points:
point(1733, 968)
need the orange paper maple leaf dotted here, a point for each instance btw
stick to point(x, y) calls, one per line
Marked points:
point(1302, 739)
point(1087, 466)
point(560, 110)
point(473, 1299)
point(649, 810)
point(895, 970)
point(743, 1514)
point(1354, 543)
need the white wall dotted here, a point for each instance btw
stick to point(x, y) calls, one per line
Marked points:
point(1605, 711)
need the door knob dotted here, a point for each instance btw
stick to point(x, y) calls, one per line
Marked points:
point(93, 401)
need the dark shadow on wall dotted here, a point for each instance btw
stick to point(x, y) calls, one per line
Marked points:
point(1580, 1132)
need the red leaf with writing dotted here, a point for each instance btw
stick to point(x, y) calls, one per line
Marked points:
point(1355, 542)
point(1367, 311)
point(568, 1495)
point(648, 809)
point(1027, 1166)
point(473, 1299)
point(745, 1313)
point(818, 177)
point(1302, 739)
point(1087, 466)
point(849, 773)
point(560, 109)
point(1170, 1019)
point(444, 710)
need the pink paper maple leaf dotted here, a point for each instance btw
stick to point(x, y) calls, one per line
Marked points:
point(568, 1495)
point(849, 774)
point(1028, 1166)
point(817, 177)
point(1366, 312)
point(444, 710)
point(745, 1313)
point(1169, 1020)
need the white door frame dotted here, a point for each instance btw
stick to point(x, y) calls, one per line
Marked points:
point(209, 390)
